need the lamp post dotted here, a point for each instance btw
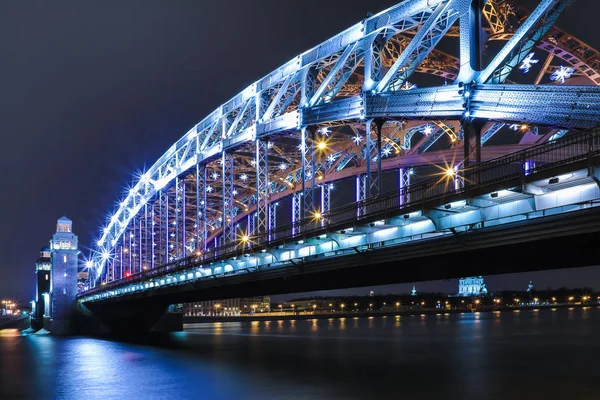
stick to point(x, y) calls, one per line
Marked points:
point(342, 306)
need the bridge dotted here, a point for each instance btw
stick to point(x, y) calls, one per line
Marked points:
point(375, 157)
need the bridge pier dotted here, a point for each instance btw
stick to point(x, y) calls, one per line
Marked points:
point(123, 320)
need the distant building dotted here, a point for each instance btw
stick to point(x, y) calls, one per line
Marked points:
point(471, 286)
point(227, 307)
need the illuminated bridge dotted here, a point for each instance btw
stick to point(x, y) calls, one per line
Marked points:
point(378, 156)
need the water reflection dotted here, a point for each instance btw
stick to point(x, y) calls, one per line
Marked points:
point(472, 355)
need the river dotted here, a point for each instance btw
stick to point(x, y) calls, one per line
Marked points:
point(533, 354)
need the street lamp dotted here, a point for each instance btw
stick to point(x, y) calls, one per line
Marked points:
point(280, 308)
point(397, 305)
point(342, 306)
point(314, 308)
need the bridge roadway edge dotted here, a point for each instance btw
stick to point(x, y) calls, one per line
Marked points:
point(497, 250)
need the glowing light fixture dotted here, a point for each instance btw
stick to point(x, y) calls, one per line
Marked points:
point(528, 63)
point(562, 74)
point(357, 139)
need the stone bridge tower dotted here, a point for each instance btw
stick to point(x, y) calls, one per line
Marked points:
point(63, 289)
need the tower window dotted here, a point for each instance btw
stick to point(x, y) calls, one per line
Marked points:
point(65, 258)
point(46, 276)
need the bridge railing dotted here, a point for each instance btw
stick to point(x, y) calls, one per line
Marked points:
point(536, 159)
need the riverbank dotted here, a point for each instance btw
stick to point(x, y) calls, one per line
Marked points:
point(326, 315)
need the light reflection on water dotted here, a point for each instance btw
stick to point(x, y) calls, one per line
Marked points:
point(477, 355)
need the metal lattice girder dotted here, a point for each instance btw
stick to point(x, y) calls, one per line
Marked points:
point(490, 132)
point(369, 149)
point(307, 149)
point(201, 217)
point(183, 209)
point(420, 46)
point(440, 129)
point(558, 105)
point(262, 187)
point(227, 193)
point(361, 191)
point(373, 62)
point(296, 210)
point(272, 216)
point(524, 40)
point(564, 106)
point(495, 17)
point(251, 224)
point(332, 77)
point(326, 197)
point(404, 182)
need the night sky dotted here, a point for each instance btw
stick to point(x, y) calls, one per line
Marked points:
point(91, 92)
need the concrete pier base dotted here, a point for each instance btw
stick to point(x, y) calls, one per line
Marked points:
point(129, 319)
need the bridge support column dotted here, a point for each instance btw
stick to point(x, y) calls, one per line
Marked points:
point(228, 188)
point(361, 192)
point(404, 177)
point(373, 150)
point(272, 219)
point(262, 188)
point(472, 146)
point(296, 207)
point(201, 228)
point(308, 173)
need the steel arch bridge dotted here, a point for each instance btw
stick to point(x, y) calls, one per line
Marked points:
point(383, 98)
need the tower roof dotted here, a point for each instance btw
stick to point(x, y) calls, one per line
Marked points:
point(64, 219)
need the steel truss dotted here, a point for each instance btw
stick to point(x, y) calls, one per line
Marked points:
point(353, 93)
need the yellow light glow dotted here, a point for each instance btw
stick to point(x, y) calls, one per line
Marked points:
point(450, 172)
point(321, 145)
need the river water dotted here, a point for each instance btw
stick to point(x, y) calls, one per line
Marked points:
point(545, 354)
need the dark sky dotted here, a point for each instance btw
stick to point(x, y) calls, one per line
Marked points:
point(90, 92)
